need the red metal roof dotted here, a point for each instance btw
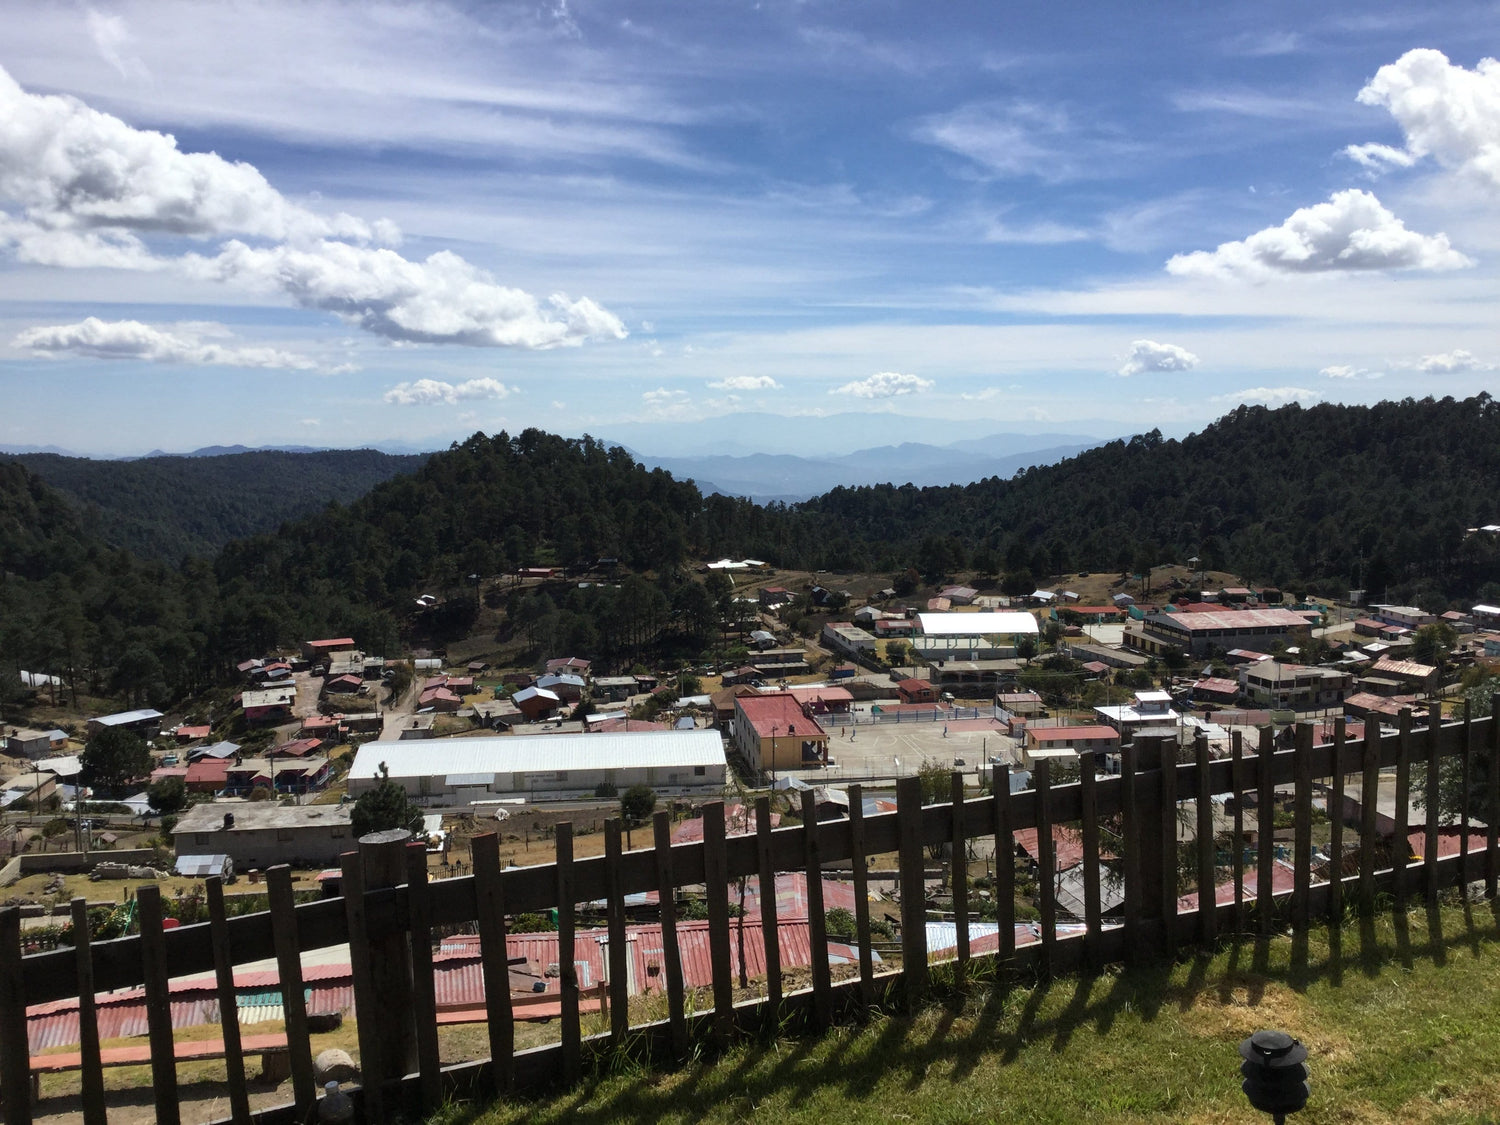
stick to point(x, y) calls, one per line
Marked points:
point(778, 714)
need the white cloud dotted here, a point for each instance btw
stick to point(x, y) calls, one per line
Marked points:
point(1021, 138)
point(71, 167)
point(661, 397)
point(1378, 157)
point(1349, 371)
point(1353, 231)
point(130, 339)
point(310, 422)
point(1451, 363)
point(442, 299)
point(746, 383)
point(884, 384)
point(435, 392)
point(1446, 112)
point(91, 188)
point(1270, 396)
point(112, 39)
point(1148, 355)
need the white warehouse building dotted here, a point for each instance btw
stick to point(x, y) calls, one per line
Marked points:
point(457, 772)
point(972, 636)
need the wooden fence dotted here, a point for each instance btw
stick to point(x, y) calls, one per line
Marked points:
point(389, 911)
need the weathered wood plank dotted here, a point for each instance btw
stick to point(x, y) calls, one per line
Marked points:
point(1492, 788)
point(1336, 821)
point(15, 1051)
point(1466, 783)
point(1204, 808)
point(716, 885)
point(283, 904)
point(817, 922)
point(1265, 903)
point(1430, 850)
point(423, 982)
point(1369, 798)
point(567, 961)
point(157, 978)
point(1088, 796)
point(1302, 823)
point(666, 888)
point(1238, 787)
point(92, 1074)
point(1132, 831)
point(1005, 861)
point(1400, 838)
point(959, 880)
point(382, 858)
point(619, 951)
point(1168, 843)
point(1046, 863)
point(913, 891)
point(489, 889)
point(861, 871)
point(372, 1075)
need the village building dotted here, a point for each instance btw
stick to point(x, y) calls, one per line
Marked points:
point(317, 651)
point(144, 722)
point(973, 636)
point(536, 703)
point(913, 690)
point(1150, 709)
point(457, 772)
point(1272, 683)
point(272, 706)
point(845, 636)
point(1199, 634)
point(265, 833)
point(21, 742)
point(775, 732)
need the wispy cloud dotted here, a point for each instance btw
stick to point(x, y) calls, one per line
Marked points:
point(1450, 363)
point(436, 392)
point(885, 384)
point(746, 383)
point(133, 340)
point(1269, 396)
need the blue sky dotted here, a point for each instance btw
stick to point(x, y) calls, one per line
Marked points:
point(334, 224)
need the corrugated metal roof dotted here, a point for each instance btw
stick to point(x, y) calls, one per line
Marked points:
point(976, 624)
point(540, 753)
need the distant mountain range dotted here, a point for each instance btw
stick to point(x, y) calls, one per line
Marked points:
point(766, 477)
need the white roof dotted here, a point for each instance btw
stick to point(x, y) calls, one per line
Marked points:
point(976, 624)
point(1488, 610)
point(127, 717)
point(66, 766)
point(539, 753)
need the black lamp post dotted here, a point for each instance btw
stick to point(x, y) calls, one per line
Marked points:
point(1275, 1077)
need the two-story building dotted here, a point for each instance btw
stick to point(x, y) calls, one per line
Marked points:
point(1199, 634)
point(1272, 683)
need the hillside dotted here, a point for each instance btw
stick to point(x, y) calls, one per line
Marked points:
point(169, 507)
point(1378, 497)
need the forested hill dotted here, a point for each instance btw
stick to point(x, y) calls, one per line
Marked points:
point(1376, 496)
point(173, 507)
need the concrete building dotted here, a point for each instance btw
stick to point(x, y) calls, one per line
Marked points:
point(1274, 684)
point(1199, 634)
point(848, 637)
point(1150, 709)
point(23, 743)
point(263, 834)
point(972, 636)
point(456, 772)
point(776, 732)
point(144, 722)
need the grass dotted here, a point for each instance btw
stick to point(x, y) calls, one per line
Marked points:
point(1397, 1012)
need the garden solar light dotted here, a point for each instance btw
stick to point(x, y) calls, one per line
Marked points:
point(1275, 1079)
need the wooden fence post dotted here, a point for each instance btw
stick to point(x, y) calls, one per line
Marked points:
point(1401, 837)
point(1203, 806)
point(1302, 824)
point(567, 966)
point(1466, 780)
point(817, 921)
point(716, 886)
point(1369, 798)
point(382, 858)
point(1336, 823)
point(229, 1016)
point(423, 980)
point(1265, 827)
point(913, 891)
point(366, 1000)
point(157, 980)
point(1005, 862)
point(1088, 799)
point(1430, 837)
point(618, 961)
point(1492, 806)
point(861, 898)
point(959, 879)
point(671, 953)
point(1133, 835)
point(489, 896)
point(92, 1075)
point(283, 906)
point(1156, 839)
point(1237, 783)
point(15, 1048)
point(1046, 864)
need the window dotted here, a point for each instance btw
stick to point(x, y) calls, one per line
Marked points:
point(283, 835)
point(700, 771)
point(200, 838)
